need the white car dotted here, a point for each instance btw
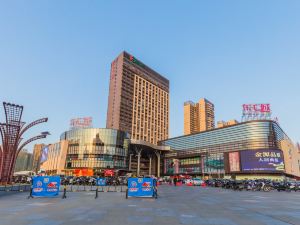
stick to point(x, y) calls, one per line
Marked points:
point(197, 182)
point(189, 182)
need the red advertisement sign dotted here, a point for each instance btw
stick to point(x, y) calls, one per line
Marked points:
point(109, 173)
point(85, 122)
point(256, 108)
point(83, 172)
point(234, 161)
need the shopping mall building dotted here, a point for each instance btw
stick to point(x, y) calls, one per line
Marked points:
point(246, 150)
point(92, 151)
point(250, 149)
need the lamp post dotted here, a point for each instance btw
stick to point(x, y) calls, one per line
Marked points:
point(12, 131)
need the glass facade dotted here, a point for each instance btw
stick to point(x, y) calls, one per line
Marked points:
point(211, 145)
point(96, 148)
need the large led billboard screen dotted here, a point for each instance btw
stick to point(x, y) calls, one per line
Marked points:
point(262, 160)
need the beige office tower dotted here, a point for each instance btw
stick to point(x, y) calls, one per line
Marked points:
point(37, 153)
point(138, 100)
point(198, 116)
point(222, 123)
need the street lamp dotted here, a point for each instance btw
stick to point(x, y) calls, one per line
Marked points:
point(12, 131)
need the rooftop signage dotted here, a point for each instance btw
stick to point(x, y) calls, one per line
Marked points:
point(85, 122)
point(134, 60)
point(256, 112)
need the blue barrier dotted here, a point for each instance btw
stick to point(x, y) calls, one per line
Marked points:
point(47, 186)
point(101, 181)
point(141, 187)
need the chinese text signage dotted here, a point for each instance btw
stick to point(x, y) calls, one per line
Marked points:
point(85, 122)
point(256, 111)
point(256, 108)
point(262, 160)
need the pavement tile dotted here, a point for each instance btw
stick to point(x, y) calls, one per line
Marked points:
point(175, 205)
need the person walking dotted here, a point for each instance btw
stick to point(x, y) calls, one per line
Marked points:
point(175, 181)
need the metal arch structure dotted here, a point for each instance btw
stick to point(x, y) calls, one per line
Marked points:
point(36, 122)
point(11, 135)
point(31, 140)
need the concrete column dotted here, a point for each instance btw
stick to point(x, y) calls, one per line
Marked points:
point(158, 163)
point(150, 161)
point(130, 159)
point(139, 162)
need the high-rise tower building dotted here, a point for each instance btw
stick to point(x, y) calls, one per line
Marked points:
point(138, 100)
point(191, 121)
point(198, 116)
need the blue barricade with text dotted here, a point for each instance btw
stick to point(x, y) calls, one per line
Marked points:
point(101, 181)
point(141, 187)
point(47, 186)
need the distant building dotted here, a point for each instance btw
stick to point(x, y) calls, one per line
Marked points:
point(24, 161)
point(138, 100)
point(222, 123)
point(198, 116)
point(37, 153)
point(55, 158)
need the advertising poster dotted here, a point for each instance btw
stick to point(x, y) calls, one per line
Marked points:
point(213, 163)
point(109, 173)
point(176, 166)
point(171, 166)
point(140, 187)
point(262, 160)
point(101, 181)
point(165, 166)
point(47, 186)
point(83, 172)
point(44, 155)
point(234, 161)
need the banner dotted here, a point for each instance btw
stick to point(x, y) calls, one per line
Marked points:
point(213, 163)
point(84, 172)
point(234, 161)
point(46, 186)
point(109, 173)
point(101, 181)
point(262, 160)
point(141, 187)
point(44, 155)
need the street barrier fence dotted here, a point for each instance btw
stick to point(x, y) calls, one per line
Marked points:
point(70, 188)
point(15, 188)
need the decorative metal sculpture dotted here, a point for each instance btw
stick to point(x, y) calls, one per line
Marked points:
point(11, 134)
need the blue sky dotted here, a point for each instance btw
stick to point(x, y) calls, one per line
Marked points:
point(55, 56)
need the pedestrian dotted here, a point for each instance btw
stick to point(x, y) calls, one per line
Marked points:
point(65, 192)
point(29, 180)
point(175, 181)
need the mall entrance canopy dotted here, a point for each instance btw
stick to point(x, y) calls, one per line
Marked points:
point(146, 155)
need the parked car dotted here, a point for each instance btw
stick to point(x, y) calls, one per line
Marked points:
point(188, 182)
point(197, 182)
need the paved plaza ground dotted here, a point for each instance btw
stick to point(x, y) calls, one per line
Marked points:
point(175, 205)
